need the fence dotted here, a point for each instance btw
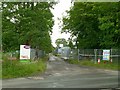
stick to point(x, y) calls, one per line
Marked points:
point(37, 54)
point(74, 54)
point(93, 54)
point(33, 54)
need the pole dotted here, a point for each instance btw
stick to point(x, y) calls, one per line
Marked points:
point(78, 54)
point(111, 56)
point(95, 51)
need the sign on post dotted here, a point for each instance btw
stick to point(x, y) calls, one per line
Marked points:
point(106, 54)
point(24, 52)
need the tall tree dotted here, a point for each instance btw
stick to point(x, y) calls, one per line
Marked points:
point(95, 25)
point(27, 23)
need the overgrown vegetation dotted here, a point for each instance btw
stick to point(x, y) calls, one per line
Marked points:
point(103, 65)
point(15, 68)
point(27, 23)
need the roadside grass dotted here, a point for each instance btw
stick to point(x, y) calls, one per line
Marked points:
point(102, 65)
point(15, 68)
point(0, 64)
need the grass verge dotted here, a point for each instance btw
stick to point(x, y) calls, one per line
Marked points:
point(15, 69)
point(102, 65)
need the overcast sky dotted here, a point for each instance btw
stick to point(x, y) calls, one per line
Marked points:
point(58, 12)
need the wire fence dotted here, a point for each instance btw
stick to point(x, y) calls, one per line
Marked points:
point(34, 54)
point(94, 54)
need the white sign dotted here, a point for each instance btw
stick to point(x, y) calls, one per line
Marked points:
point(24, 52)
point(106, 54)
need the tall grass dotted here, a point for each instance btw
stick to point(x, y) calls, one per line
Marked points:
point(22, 69)
point(15, 68)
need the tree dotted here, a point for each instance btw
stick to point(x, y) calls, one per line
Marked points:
point(95, 25)
point(71, 45)
point(108, 24)
point(27, 23)
point(61, 41)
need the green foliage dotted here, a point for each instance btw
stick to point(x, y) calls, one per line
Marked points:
point(102, 65)
point(71, 45)
point(94, 24)
point(61, 41)
point(14, 69)
point(27, 23)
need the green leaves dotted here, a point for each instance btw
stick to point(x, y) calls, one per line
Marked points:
point(29, 22)
point(94, 24)
point(61, 41)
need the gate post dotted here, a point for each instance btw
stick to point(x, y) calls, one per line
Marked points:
point(95, 51)
point(78, 54)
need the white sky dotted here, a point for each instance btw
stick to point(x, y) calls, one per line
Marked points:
point(58, 12)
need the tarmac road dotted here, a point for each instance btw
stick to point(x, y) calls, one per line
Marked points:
point(60, 74)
